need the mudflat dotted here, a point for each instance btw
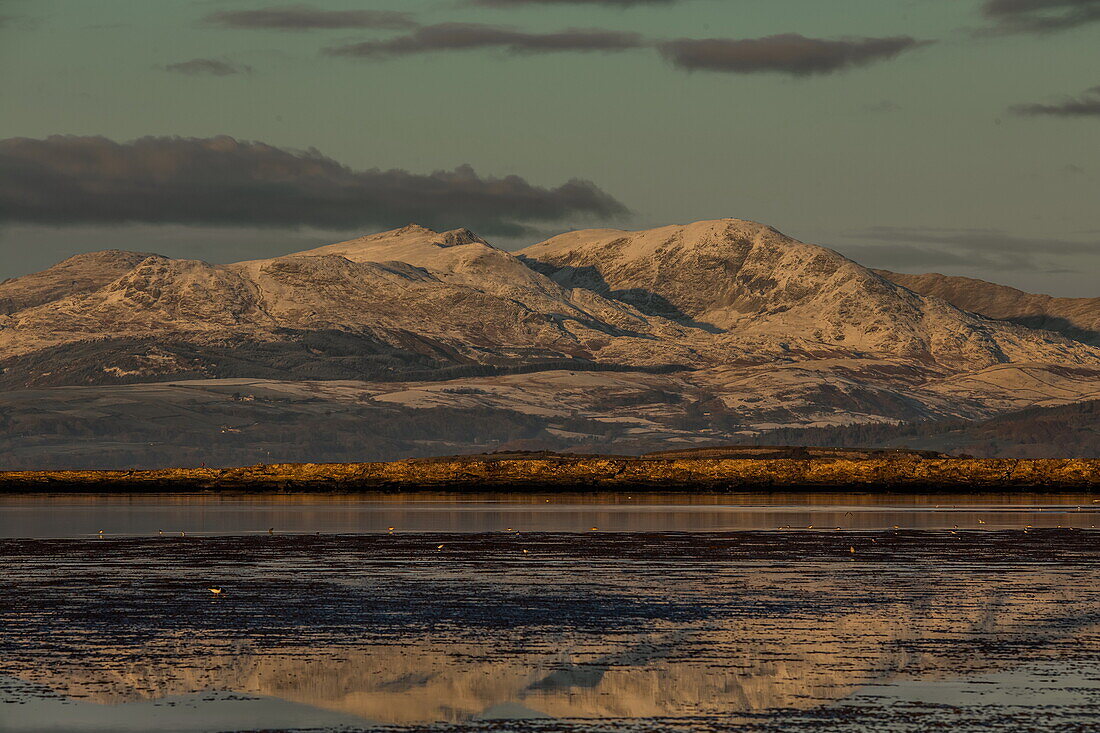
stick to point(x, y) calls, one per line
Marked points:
point(763, 631)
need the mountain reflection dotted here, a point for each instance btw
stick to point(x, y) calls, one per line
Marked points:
point(721, 667)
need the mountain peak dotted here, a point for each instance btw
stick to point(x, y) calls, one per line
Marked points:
point(78, 274)
point(460, 236)
point(411, 228)
point(755, 327)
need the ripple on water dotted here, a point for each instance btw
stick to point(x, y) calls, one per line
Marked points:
point(792, 630)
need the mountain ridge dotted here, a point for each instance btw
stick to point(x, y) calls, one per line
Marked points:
point(687, 332)
point(1078, 318)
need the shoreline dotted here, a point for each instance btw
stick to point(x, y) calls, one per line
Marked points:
point(554, 473)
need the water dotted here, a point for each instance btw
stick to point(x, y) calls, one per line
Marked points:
point(83, 515)
point(503, 613)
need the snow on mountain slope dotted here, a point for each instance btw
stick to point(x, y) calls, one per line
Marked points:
point(78, 274)
point(748, 281)
point(1078, 318)
point(457, 257)
point(450, 296)
point(154, 296)
point(744, 328)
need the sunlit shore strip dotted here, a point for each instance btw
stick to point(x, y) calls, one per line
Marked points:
point(542, 472)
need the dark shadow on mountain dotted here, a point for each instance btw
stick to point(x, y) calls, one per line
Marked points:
point(575, 365)
point(1063, 431)
point(589, 278)
point(1057, 324)
point(296, 355)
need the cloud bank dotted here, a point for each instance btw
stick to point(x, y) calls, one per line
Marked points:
point(1086, 104)
point(213, 67)
point(788, 53)
point(990, 249)
point(462, 36)
point(67, 180)
point(608, 3)
point(305, 17)
point(1040, 16)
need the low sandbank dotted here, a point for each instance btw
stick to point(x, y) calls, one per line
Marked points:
point(711, 470)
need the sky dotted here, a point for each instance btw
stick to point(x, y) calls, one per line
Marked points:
point(954, 136)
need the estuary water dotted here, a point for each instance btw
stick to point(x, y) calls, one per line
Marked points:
point(847, 612)
point(84, 515)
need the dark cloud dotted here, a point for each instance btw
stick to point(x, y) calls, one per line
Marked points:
point(305, 17)
point(1084, 105)
point(990, 249)
point(214, 67)
point(979, 239)
point(65, 180)
point(789, 53)
point(1040, 16)
point(610, 3)
point(461, 36)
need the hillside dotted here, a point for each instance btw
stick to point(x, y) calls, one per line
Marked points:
point(1040, 432)
point(595, 340)
point(749, 284)
point(1078, 318)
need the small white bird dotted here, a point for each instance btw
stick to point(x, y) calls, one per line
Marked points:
point(215, 591)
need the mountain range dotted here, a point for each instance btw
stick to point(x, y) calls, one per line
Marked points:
point(594, 339)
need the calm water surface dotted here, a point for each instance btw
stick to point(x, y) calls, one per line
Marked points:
point(512, 613)
point(83, 515)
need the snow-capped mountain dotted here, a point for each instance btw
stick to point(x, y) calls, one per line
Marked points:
point(687, 332)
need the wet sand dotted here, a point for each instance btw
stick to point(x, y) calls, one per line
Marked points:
point(771, 630)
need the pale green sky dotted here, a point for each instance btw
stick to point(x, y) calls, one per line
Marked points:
point(895, 163)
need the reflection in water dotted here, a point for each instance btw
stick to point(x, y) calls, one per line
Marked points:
point(61, 515)
point(686, 631)
point(727, 669)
